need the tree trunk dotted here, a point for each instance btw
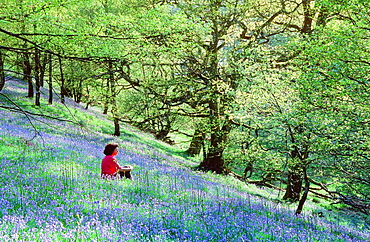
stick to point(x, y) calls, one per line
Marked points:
point(161, 134)
point(37, 77)
point(294, 187)
point(112, 95)
point(220, 128)
point(106, 99)
point(62, 85)
point(305, 193)
point(105, 109)
point(295, 175)
point(196, 143)
point(117, 131)
point(2, 73)
point(78, 92)
point(213, 159)
point(43, 64)
point(50, 80)
point(27, 69)
point(308, 18)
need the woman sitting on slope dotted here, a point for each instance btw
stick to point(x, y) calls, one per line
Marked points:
point(109, 165)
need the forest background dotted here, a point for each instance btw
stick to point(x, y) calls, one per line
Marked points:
point(274, 93)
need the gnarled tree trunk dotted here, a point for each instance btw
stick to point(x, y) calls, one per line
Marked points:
point(196, 143)
point(296, 173)
point(305, 193)
point(294, 186)
point(213, 159)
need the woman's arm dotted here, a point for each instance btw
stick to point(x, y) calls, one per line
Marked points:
point(126, 168)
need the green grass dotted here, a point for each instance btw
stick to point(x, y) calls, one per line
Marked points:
point(52, 190)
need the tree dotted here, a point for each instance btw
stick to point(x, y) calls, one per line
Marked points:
point(326, 115)
point(211, 72)
point(268, 88)
point(333, 88)
point(2, 72)
point(197, 141)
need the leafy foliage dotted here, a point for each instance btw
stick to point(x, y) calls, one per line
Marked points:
point(273, 89)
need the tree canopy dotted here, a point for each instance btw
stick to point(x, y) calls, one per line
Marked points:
point(270, 91)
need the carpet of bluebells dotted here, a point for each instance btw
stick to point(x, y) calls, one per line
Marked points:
point(50, 189)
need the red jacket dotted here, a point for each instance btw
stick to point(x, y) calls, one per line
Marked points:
point(109, 166)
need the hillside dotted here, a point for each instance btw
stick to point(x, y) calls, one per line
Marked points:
point(50, 188)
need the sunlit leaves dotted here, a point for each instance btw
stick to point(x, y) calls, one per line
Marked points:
point(334, 90)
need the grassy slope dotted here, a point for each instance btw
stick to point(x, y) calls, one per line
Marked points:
point(50, 188)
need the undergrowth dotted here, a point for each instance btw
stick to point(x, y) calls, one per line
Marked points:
point(51, 190)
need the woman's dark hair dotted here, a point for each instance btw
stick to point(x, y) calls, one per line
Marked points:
point(109, 148)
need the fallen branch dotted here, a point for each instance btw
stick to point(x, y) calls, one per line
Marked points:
point(359, 204)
